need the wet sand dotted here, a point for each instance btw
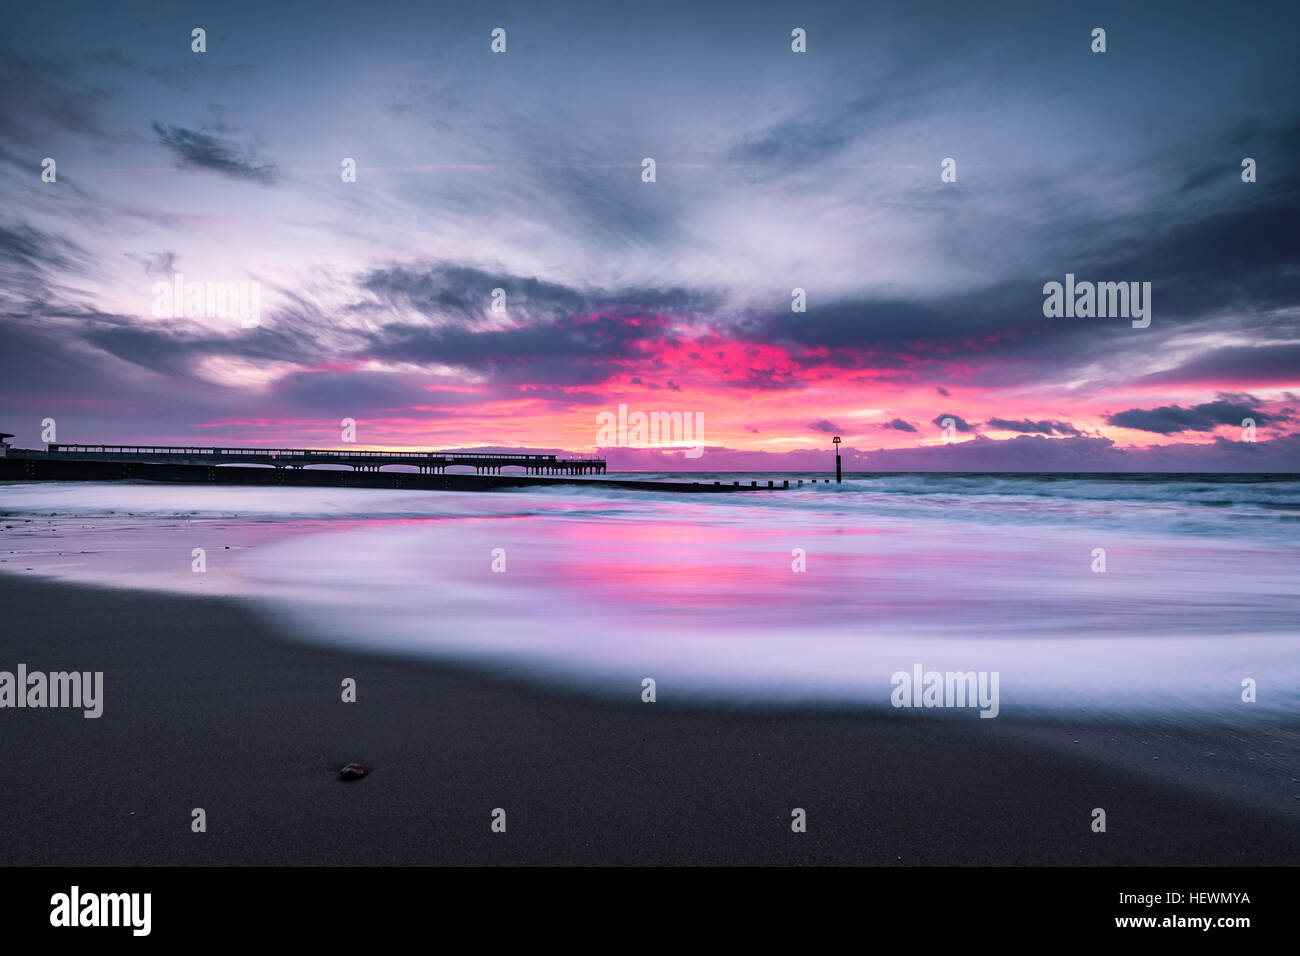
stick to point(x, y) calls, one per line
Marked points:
point(207, 705)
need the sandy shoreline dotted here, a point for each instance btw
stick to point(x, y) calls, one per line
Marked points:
point(206, 705)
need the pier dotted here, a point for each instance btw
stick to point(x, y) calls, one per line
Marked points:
point(351, 468)
point(427, 462)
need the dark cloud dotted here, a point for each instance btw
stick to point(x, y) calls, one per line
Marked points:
point(447, 290)
point(823, 426)
point(1036, 453)
point(1171, 419)
point(568, 350)
point(197, 150)
point(1260, 364)
point(599, 208)
point(551, 336)
point(157, 264)
point(1226, 263)
point(40, 93)
point(819, 132)
point(179, 345)
point(803, 140)
point(1238, 254)
point(1219, 271)
point(1252, 138)
point(33, 261)
point(1028, 427)
point(363, 393)
point(899, 425)
point(30, 250)
point(185, 74)
point(942, 391)
point(555, 333)
point(958, 422)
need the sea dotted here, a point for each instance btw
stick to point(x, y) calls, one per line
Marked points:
point(1100, 597)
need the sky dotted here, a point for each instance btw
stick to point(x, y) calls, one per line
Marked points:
point(522, 171)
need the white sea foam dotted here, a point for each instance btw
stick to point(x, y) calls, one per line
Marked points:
point(603, 589)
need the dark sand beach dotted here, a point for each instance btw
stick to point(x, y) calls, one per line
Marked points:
point(208, 706)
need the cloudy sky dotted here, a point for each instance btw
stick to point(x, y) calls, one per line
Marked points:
point(775, 170)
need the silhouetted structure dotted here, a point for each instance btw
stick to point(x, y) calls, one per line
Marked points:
point(426, 461)
point(204, 465)
point(211, 465)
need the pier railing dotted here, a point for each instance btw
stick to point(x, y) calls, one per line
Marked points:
point(358, 459)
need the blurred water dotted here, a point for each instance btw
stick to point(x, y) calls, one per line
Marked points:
point(603, 588)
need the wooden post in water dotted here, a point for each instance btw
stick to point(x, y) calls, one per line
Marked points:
point(838, 478)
